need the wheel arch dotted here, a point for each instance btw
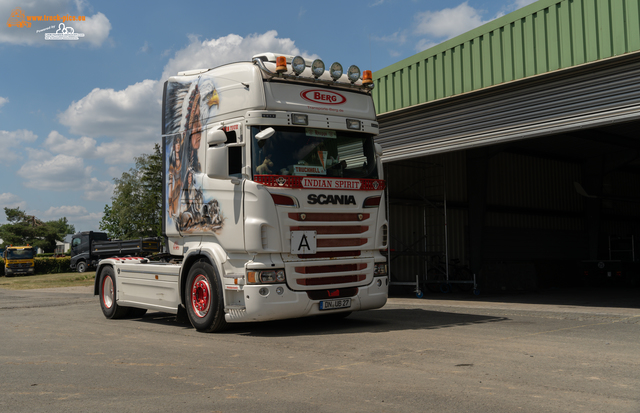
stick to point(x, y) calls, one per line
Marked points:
point(96, 284)
point(189, 261)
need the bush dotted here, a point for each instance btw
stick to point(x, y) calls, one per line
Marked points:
point(52, 265)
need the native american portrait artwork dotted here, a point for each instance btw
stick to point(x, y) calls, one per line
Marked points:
point(188, 108)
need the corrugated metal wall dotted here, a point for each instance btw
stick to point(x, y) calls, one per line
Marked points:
point(545, 36)
point(418, 189)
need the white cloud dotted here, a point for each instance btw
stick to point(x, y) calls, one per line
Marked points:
point(96, 29)
point(83, 147)
point(399, 37)
point(10, 142)
point(80, 5)
point(59, 173)
point(231, 48)
point(77, 215)
point(448, 23)
point(145, 48)
point(96, 190)
point(65, 211)
point(63, 173)
point(131, 113)
point(3, 101)
point(424, 44)
point(518, 4)
point(9, 200)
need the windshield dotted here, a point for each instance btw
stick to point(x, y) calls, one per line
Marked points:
point(25, 254)
point(314, 152)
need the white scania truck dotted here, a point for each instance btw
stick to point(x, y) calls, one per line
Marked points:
point(273, 198)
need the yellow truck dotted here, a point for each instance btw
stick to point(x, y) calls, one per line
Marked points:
point(19, 260)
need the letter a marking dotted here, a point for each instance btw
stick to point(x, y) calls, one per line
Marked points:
point(304, 243)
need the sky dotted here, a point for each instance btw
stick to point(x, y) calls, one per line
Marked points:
point(75, 113)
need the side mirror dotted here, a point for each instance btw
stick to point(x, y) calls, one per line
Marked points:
point(217, 162)
point(265, 134)
point(215, 137)
point(378, 149)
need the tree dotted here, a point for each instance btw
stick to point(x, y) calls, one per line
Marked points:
point(136, 204)
point(23, 229)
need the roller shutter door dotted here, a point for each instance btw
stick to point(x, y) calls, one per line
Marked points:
point(578, 98)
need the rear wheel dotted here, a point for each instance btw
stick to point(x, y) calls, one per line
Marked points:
point(203, 299)
point(110, 307)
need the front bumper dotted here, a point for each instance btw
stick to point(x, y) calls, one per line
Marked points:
point(19, 271)
point(293, 304)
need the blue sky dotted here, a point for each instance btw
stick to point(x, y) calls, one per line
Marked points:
point(74, 113)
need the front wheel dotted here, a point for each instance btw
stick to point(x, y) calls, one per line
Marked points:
point(110, 307)
point(203, 299)
point(81, 266)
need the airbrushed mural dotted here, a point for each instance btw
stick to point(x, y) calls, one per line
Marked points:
point(188, 108)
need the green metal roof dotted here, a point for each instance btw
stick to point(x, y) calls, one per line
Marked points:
point(542, 37)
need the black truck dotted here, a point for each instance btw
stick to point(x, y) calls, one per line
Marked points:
point(89, 247)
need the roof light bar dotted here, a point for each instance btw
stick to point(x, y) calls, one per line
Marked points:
point(319, 74)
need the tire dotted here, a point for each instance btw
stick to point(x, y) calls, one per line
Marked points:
point(203, 299)
point(110, 307)
point(81, 266)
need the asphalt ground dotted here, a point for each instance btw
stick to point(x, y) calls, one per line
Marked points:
point(558, 351)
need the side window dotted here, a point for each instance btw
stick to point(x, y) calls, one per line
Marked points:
point(76, 242)
point(235, 154)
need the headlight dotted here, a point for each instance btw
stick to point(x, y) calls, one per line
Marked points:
point(380, 268)
point(266, 277)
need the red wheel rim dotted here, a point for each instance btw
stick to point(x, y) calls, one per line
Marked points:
point(201, 296)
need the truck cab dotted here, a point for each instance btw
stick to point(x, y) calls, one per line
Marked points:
point(81, 246)
point(19, 260)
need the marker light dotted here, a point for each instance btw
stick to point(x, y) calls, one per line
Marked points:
point(367, 77)
point(298, 65)
point(353, 73)
point(353, 124)
point(299, 119)
point(335, 71)
point(281, 64)
point(317, 68)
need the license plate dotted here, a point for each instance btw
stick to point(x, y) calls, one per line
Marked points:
point(335, 304)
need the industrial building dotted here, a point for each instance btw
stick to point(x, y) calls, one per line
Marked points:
point(515, 149)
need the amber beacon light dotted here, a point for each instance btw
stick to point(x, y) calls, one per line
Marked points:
point(281, 64)
point(367, 77)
